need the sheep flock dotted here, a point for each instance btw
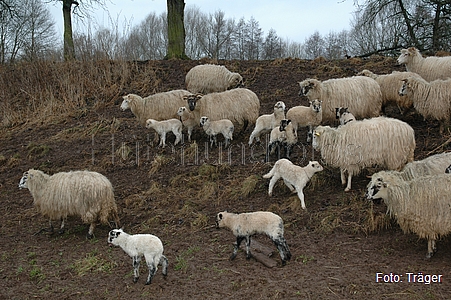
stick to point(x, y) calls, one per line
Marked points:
point(346, 126)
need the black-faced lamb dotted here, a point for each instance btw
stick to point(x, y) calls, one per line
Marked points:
point(209, 78)
point(137, 246)
point(241, 106)
point(429, 68)
point(165, 126)
point(265, 123)
point(362, 95)
point(303, 116)
point(160, 106)
point(83, 193)
point(344, 115)
point(213, 128)
point(282, 137)
point(384, 142)
point(430, 99)
point(421, 205)
point(294, 177)
point(244, 225)
point(187, 119)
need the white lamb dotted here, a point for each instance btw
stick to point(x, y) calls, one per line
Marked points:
point(362, 95)
point(213, 128)
point(137, 246)
point(244, 225)
point(343, 115)
point(188, 120)
point(163, 127)
point(208, 78)
point(284, 136)
point(267, 122)
point(303, 116)
point(294, 177)
point(429, 68)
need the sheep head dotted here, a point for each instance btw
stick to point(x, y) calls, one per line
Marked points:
point(339, 111)
point(407, 55)
point(306, 86)
point(377, 188)
point(150, 123)
point(280, 105)
point(23, 180)
point(192, 99)
point(127, 100)
point(220, 219)
point(403, 90)
point(316, 105)
point(203, 121)
point(235, 81)
point(113, 234)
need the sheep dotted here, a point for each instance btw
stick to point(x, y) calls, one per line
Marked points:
point(343, 115)
point(241, 106)
point(160, 106)
point(83, 193)
point(303, 116)
point(137, 246)
point(294, 177)
point(187, 119)
point(165, 126)
point(208, 78)
point(266, 123)
point(390, 84)
point(362, 95)
point(384, 142)
point(284, 136)
point(430, 99)
point(420, 205)
point(212, 128)
point(244, 225)
point(429, 68)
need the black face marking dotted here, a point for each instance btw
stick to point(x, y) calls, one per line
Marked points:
point(448, 170)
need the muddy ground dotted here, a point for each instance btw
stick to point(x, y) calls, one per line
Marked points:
point(340, 244)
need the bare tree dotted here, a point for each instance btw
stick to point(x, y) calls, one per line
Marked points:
point(314, 46)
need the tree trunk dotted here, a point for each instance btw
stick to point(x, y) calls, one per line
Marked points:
point(69, 50)
point(176, 30)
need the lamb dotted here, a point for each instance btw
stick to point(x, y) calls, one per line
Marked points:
point(362, 95)
point(284, 136)
point(241, 106)
point(267, 122)
point(137, 246)
point(384, 142)
point(429, 68)
point(430, 99)
point(420, 205)
point(165, 126)
point(343, 115)
point(244, 225)
point(83, 193)
point(390, 84)
point(160, 106)
point(213, 128)
point(303, 116)
point(208, 78)
point(187, 119)
point(294, 177)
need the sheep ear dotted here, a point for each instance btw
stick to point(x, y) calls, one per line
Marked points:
point(317, 133)
point(220, 216)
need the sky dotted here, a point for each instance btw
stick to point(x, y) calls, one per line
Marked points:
point(294, 20)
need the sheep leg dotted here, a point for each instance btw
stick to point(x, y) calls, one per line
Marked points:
point(136, 262)
point(343, 177)
point(301, 197)
point(163, 139)
point(239, 239)
point(284, 251)
point(289, 185)
point(309, 133)
point(348, 187)
point(164, 263)
point(190, 131)
point(90, 234)
point(248, 247)
point(152, 271)
point(272, 182)
point(431, 248)
point(178, 137)
point(61, 231)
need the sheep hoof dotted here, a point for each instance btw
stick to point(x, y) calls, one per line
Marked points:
point(89, 236)
point(347, 189)
point(61, 231)
point(232, 257)
point(429, 255)
point(147, 282)
point(135, 280)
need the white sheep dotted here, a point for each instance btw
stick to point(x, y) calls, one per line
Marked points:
point(421, 205)
point(165, 126)
point(244, 225)
point(241, 106)
point(266, 123)
point(208, 78)
point(284, 136)
point(362, 95)
point(384, 142)
point(160, 106)
point(294, 177)
point(390, 84)
point(213, 128)
point(343, 115)
point(137, 246)
point(429, 68)
point(430, 99)
point(83, 193)
point(187, 119)
point(303, 116)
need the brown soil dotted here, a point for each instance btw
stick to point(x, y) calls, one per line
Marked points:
point(339, 244)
